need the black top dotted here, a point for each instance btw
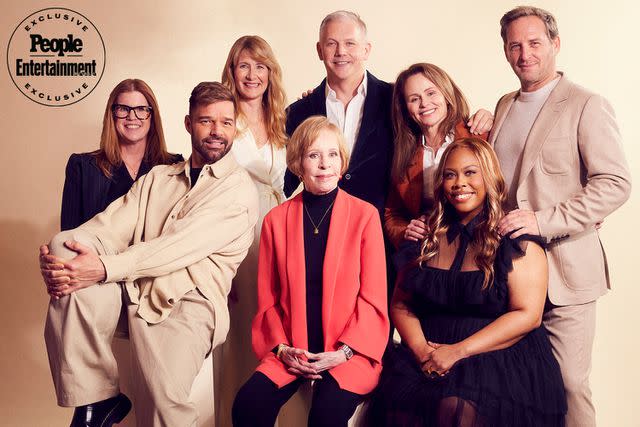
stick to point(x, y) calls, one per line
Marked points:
point(121, 181)
point(87, 191)
point(370, 165)
point(315, 246)
point(194, 174)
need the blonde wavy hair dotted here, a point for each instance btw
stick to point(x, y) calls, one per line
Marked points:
point(108, 156)
point(274, 99)
point(485, 235)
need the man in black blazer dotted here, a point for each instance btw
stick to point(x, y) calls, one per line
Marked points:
point(357, 102)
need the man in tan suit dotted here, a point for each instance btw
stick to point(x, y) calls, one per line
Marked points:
point(560, 150)
point(163, 255)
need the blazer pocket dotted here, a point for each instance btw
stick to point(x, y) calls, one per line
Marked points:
point(556, 156)
point(581, 261)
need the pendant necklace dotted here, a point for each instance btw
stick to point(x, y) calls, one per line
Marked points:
point(315, 227)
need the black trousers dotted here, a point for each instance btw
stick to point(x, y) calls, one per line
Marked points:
point(259, 400)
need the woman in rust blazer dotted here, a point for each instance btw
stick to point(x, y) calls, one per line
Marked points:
point(322, 306)
point(429, 112)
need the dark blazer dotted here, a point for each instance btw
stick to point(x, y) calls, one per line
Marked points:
point(86, 190)
point(369, 168)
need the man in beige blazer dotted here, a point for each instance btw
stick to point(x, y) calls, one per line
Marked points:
point(561, 153)
point(163, 257)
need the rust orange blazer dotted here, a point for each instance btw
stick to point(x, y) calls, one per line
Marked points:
point(404, 202)
point(354, 291)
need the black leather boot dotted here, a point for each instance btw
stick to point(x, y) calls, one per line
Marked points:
point(102, 414)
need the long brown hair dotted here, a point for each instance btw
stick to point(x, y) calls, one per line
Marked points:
point(407, 132)
point(274, 99)
point(485, 235)
point(108, 156)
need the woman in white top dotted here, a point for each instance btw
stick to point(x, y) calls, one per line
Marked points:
point(254, 76)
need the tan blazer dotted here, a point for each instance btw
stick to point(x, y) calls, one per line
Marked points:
point(573, 174)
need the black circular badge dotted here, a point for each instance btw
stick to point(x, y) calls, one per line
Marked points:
point(56, 57)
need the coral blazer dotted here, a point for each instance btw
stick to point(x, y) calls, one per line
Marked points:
point(354, 291)
point(404, 202)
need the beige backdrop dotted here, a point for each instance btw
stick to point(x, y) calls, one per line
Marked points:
point(174, 46)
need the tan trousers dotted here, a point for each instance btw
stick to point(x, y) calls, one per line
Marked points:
point(571, 332)
point(166, 357)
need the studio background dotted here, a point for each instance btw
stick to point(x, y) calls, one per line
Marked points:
point(175, 45)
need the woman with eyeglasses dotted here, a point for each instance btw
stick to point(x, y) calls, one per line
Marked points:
point(132, 142)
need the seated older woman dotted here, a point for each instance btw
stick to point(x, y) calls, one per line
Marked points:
point(322, 310)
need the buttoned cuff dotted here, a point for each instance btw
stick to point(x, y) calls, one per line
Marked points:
point(117, 267)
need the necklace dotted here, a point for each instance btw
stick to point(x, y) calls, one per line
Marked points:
point(315, 227)
point(133, 172)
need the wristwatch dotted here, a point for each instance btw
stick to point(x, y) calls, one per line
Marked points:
point(347, 351)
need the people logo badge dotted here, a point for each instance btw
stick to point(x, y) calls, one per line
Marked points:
point(56, 57)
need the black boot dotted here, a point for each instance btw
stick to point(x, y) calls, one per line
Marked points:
point(102, 414)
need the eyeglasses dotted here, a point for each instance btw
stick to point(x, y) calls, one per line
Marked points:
point(142, 112)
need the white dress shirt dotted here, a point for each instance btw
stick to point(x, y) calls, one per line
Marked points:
point(347, 119)
point(430, 161)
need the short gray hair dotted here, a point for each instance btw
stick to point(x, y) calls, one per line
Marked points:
point(343, 14)
point(549, 20)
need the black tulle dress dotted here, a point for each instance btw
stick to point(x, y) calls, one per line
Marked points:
point(517, 386)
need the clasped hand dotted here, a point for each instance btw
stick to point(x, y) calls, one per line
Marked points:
point(438, 359)
point(309, 365)
point(62, 276)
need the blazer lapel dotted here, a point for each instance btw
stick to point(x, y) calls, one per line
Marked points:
point(296, 278)
point(546, 120)
point(415, 182)
point(501, 113)
point(318, 100)
point(369, 120)
point(338, 233)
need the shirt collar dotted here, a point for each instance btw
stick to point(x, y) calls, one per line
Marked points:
point(219, 169)
point(448, 139)
point(362, 89)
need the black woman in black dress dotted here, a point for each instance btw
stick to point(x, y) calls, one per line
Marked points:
point(468, 307)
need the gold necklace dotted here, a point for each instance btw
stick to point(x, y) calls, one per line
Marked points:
point(315, 227)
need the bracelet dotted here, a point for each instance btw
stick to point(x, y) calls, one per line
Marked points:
point(347, 351)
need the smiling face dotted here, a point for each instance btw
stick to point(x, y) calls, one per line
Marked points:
point(132, 130)
point(251, 77)
point(321, 164)
point(425, 102)
point(463, 183)
point(212, 128)
point(530, 52)
point(343, 48)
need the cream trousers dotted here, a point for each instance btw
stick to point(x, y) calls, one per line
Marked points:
point(166, 357)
